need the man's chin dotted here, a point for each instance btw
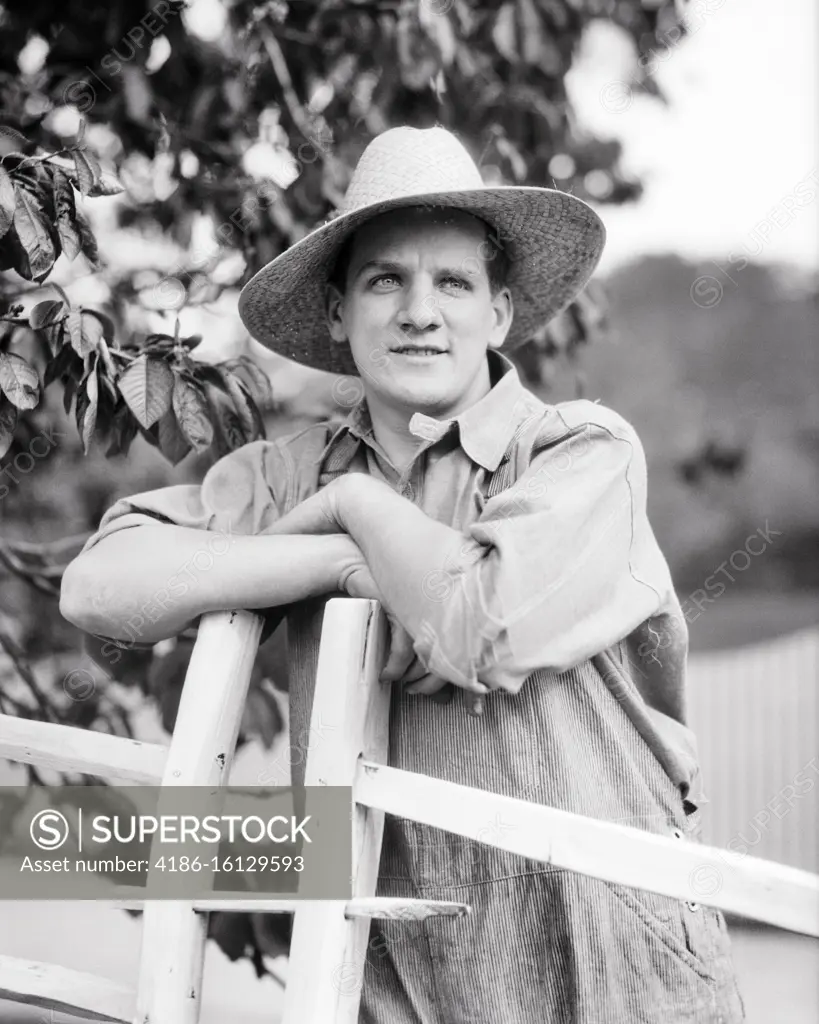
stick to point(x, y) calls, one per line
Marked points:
point(421, 396)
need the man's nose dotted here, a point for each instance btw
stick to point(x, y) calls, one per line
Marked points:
point(421, 310)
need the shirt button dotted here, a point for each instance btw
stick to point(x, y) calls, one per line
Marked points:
point(408, 491)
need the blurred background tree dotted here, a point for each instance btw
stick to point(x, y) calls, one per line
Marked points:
point(148, 169)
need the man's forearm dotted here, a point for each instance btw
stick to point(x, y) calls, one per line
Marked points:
point(149, 582)
point(407, 552)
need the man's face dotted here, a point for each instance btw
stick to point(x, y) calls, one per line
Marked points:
point(418, 311)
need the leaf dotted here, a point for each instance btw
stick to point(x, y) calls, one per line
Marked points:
point(128, 666)
point(108, 185)
point(45, 313)
point(69, 392)
point(13, 256)
point(88, 171)
point(172, 442)
point(106, 384)
point(19, 381)
point(147, 386)
point(231, 434)
point(8, 201)
point(246, 368)
point(73, 324)
point(138, 95)
point(91, 334)
point(90, 419)
point(88, 243)
point(503, 33)
point(262, 716)
point(246, 409)
point(151, 435)
point(419, 58)
point(191, 412)
point(159, 342)
point(531, 36)
point(438, 27)
point(512, 154)
point(232, 933)
point(85, 410)
point(43, 191)
point(33, 235)
point(108, 362)
point(245, 406)
point(106, 321)
point(66, 214)
point(8, 423)
point(125, 429)
point(54, 334)
point(228, 431)
point(61, 365)
point(7, 253)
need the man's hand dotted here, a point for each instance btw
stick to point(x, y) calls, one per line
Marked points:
point(402, 664)
point(358, 581)
point(323, 512)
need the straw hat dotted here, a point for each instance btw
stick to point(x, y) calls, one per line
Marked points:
point(553, 242)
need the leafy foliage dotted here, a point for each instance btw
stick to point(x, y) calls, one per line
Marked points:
point(151, 387)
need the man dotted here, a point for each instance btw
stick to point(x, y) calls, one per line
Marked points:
point(537, 645)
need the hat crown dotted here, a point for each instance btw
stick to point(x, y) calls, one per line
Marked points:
point(410, 161)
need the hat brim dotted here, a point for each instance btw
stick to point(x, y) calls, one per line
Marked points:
point(553, 242)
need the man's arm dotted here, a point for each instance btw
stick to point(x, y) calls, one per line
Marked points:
point(558, 568)
point(162, 558)
point(148, 582)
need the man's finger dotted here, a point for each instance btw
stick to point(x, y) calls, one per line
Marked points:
point(402, 653)
point(427, 684)
point(416, 671)
point(318, 514)
point(442, 691)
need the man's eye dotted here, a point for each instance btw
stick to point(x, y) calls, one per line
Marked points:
point(458, 282)
point(384, 277)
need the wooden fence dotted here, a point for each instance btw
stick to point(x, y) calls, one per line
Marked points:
point(755, 712)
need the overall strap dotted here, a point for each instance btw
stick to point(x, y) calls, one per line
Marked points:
point(337, 461)
point(537, 431)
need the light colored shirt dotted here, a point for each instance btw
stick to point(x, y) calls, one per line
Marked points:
point(561, 600)
point(558, 570)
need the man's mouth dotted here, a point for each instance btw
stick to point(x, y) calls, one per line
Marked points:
point(416, 350)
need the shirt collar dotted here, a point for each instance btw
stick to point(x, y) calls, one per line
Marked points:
point(485, 429)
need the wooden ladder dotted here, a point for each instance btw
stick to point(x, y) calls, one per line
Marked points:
point(330, 937)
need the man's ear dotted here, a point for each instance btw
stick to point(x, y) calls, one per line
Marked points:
point(504, 310)
point(334, 308)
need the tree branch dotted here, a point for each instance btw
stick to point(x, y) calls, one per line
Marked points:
point(24, 671)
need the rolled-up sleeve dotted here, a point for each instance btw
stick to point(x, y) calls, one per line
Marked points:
point(559, 566)
point(241, 494)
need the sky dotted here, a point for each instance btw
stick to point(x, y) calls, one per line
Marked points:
point(732, 164)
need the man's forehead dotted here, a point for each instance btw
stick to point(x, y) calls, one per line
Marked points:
point(385, 234)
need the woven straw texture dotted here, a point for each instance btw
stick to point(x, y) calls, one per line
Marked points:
point(553, 242)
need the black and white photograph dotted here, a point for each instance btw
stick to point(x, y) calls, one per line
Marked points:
point(409, 512)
